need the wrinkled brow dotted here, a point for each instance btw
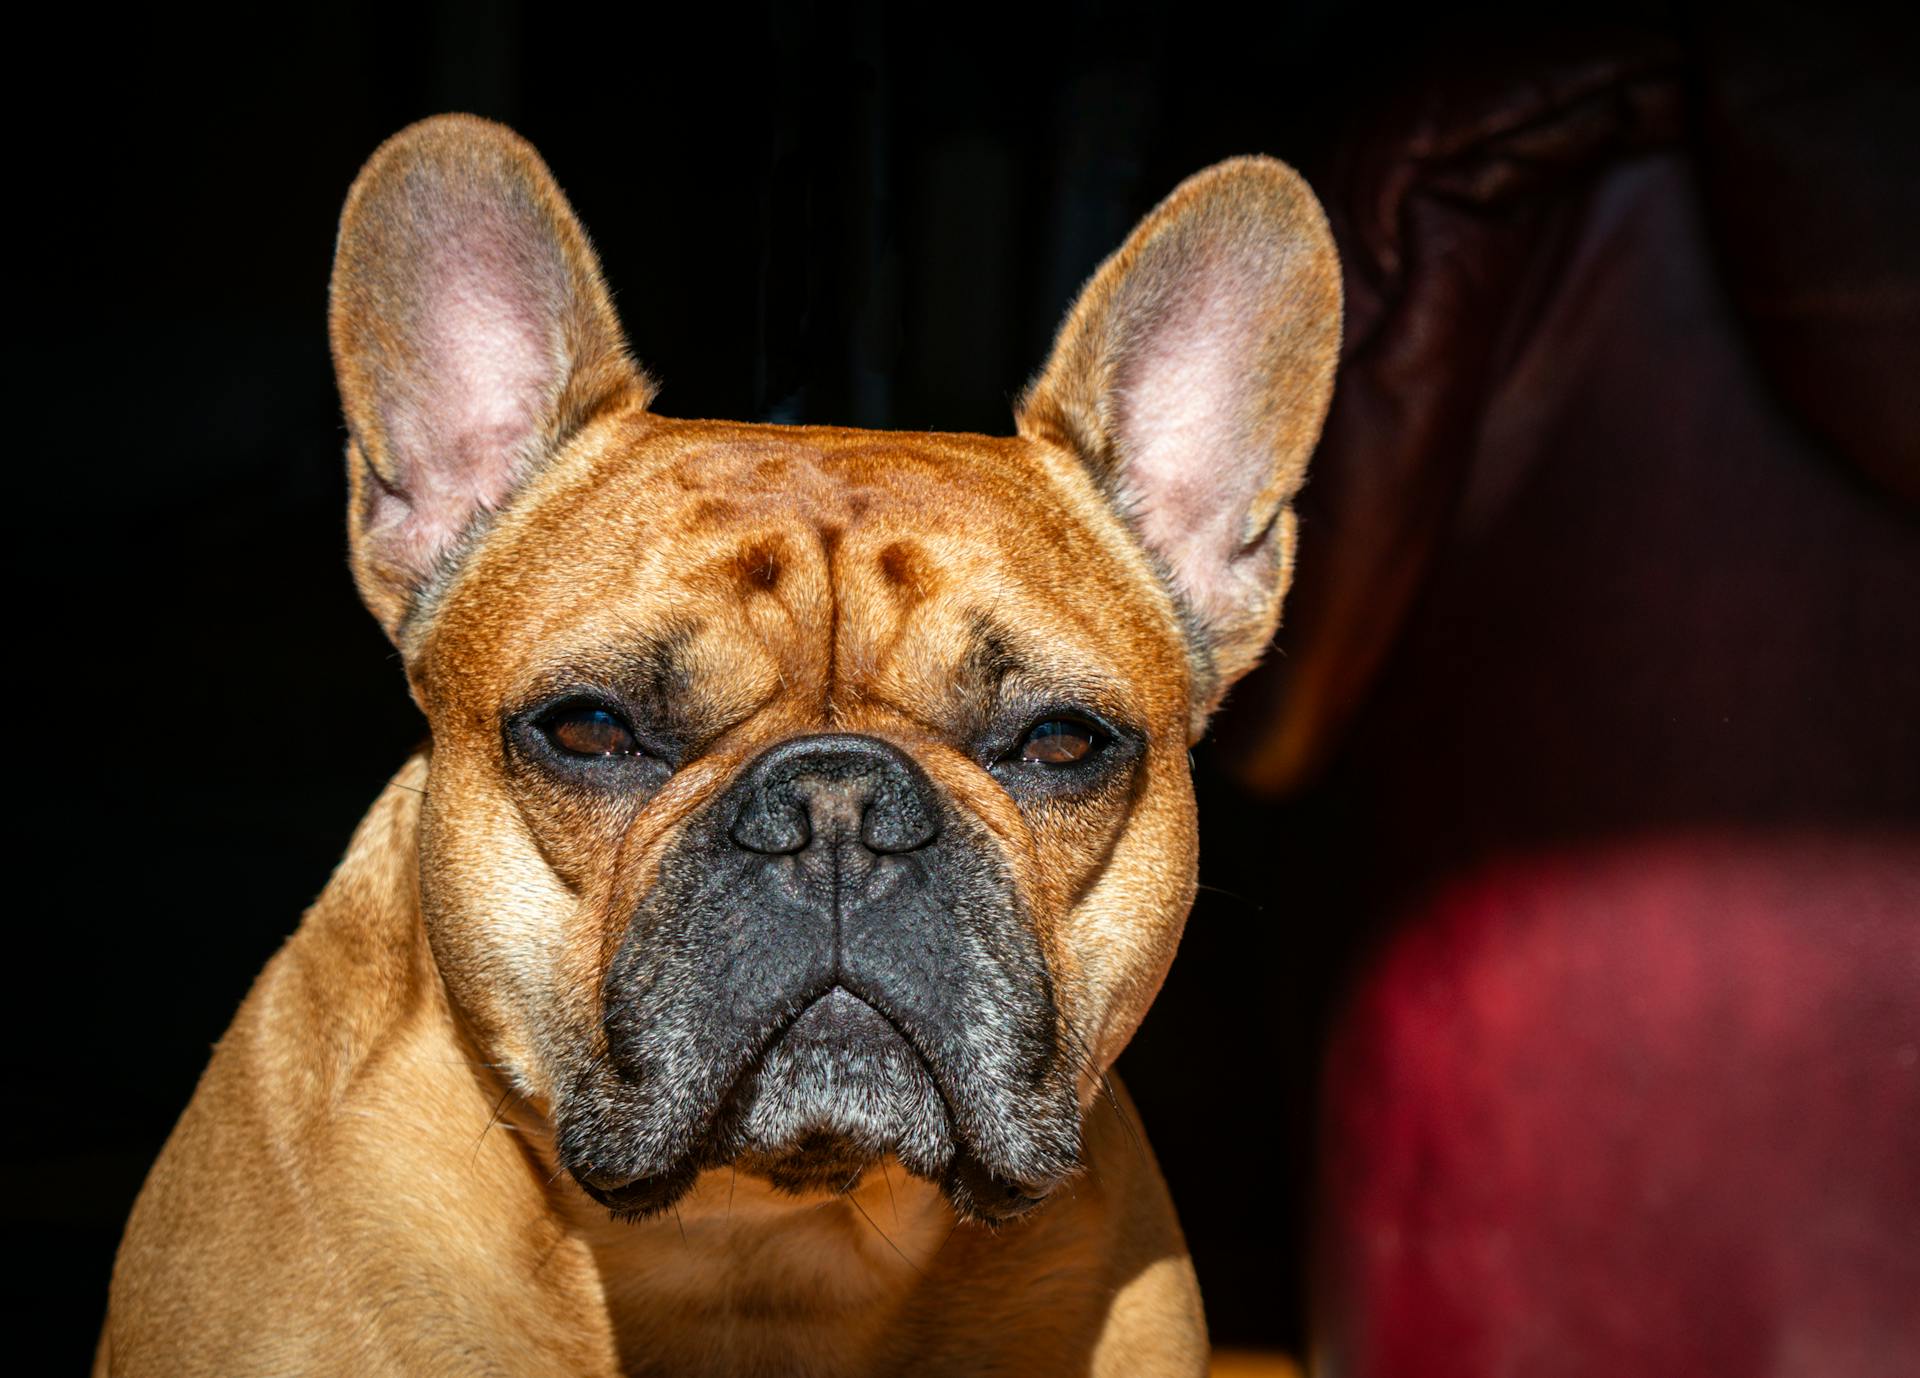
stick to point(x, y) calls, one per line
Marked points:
point(1000, 670)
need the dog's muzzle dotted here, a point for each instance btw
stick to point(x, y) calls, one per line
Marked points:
point(832, 966)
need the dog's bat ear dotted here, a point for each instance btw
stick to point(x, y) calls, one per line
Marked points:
point(472, 334)
point(1192, 376)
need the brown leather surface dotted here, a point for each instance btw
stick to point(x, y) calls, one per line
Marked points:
point(1454, 214)
point(1457, 212)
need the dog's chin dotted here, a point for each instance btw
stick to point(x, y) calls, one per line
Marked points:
point(838, 1091)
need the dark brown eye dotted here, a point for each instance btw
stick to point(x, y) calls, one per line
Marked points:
point(591, 732)
point(1061, 742)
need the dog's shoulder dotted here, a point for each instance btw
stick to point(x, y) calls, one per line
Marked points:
point(269, 1217)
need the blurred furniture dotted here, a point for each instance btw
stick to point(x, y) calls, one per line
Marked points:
point(1607, 631)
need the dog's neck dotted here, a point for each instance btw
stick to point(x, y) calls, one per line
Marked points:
point(740, 1278)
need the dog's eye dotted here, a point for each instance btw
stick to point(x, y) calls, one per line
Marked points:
point(1061, 742)
point(588, 731)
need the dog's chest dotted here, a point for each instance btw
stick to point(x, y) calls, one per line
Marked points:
point(758, 1287)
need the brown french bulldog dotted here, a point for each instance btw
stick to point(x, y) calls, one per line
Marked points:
point(730, 985)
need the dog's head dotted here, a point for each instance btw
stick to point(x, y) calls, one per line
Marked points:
point(801, 796)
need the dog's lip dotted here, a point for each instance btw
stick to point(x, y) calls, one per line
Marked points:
point(603, 1184)
point(979, 1174)
point(839, 1009)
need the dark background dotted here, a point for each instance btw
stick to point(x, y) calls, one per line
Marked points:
point(869, 215)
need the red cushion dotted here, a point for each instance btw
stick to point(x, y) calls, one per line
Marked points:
point(1652, 1111)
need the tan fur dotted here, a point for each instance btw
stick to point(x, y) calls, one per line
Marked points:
point(366, 1182)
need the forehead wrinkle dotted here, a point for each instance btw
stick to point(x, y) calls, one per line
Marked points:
point(992, 650)
point(732, 694)
point(767, 648)
point(632, 659)
point(954, 700)
point(1002, 657)
point(852, 502)
point(661, 670)
point(952, 670)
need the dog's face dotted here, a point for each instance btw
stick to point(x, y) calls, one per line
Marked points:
point(804, 796)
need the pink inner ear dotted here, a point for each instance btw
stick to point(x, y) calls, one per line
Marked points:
point(487, 361)
point(1190, 395)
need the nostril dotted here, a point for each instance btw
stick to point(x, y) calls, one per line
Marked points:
point(772, 825)
point(896, 821)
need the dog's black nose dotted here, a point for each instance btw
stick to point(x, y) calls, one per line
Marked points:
point(834, 789)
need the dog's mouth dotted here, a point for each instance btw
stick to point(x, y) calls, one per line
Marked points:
point(827, 1098)
point(838, 1090)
